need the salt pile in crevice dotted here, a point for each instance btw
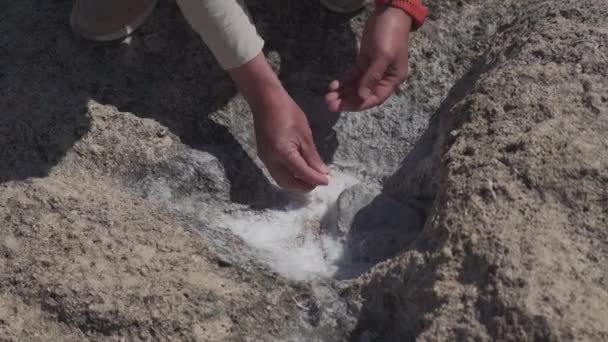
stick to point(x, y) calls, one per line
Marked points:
point(290, 239)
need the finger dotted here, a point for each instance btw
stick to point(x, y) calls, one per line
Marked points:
point(332, 96)
point(351, 77)
point(372, 77)
point(337, 102)
point(381, 92)
point(333, 101)
point(338, 89)
point(349, 100)
point(334, 86)
point(334, 106)
point(301, 170)
point(312, 157)
point(339, 85)
point(285, 179)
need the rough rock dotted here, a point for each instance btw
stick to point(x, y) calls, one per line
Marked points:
point(374, 226)
point(482, 201)
point(515, 244)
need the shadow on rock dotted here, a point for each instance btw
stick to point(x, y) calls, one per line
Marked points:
point(163, 72)
point(377, 225)
point(166, 73)
point(43, 108)
point(414, 186)
point(315, 46)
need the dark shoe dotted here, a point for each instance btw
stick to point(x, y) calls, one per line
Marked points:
point(106, 20)
point(344, 6)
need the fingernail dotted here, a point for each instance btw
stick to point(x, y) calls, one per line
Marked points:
point(326, 180)
point(324, 169)
point(364, 93)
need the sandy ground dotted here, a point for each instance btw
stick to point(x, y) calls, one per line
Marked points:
point(473, 205)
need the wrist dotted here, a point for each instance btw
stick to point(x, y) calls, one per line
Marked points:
point(258, 83)
point(397, 16)
point(414, 9)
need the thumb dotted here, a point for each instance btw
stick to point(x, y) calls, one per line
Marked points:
point(372, 76)
point(311, 155)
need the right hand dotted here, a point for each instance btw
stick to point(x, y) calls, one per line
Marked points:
point(284, 140)
point(286, 146)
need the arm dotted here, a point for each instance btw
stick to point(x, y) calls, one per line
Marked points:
point(226, 29)
point(283, 136)
point(382, 63)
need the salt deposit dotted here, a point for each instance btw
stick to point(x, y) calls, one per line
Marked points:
point(289, 239)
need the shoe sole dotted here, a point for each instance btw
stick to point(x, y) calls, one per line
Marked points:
point(328, 4)
point(118, 34)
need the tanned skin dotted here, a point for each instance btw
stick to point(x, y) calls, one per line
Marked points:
point(284, 138)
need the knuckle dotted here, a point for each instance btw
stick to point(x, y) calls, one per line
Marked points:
point(376, 75)
point(309, 142)
point(385, 53)
point(287, 149)
point(292, 156)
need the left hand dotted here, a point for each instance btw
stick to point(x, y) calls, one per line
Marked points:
point(382, 63)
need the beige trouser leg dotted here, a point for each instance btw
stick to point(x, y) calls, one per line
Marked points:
point(105, 20)
point(228, 31)
point(224, 25)
point(226, 28)
point(344, 6)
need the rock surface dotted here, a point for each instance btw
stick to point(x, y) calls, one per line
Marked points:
point(481, 203)
point(514, 247)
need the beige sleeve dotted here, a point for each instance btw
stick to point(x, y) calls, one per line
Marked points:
point(225, 26)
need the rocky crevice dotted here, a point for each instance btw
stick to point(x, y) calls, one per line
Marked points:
point(467, 270)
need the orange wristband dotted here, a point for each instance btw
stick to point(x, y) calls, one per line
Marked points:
point(414, 8)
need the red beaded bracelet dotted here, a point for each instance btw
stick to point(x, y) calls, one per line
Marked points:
point(414, 8)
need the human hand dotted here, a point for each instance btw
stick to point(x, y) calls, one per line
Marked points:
point(284, 139)
point(382, 63)
point(285, 145)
